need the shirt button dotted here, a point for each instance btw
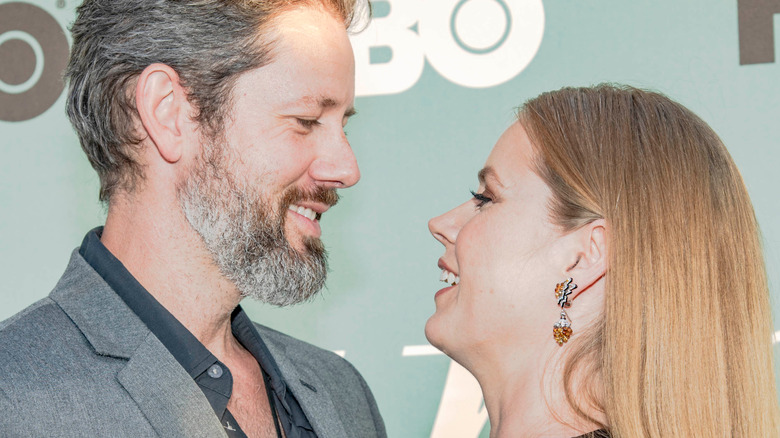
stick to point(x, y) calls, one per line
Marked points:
point(215, 371)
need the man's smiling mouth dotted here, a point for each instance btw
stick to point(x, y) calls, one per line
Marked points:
point(308, 213)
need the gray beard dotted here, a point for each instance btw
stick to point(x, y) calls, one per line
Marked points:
point(245, 237)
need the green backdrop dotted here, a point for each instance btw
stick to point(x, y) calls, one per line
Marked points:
point(438, 81)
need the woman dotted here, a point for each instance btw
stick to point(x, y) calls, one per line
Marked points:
point(607, 277)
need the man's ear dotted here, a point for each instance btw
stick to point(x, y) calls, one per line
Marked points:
point(590, 264)
point(163, 109)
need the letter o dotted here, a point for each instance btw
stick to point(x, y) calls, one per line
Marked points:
point(39, 31)
point(481, 67)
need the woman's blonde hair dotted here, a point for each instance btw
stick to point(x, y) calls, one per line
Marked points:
point(684, 347)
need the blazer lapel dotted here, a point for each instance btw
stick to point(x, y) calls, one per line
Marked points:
point(317, 405)
point(166, 394)
point(168, 397)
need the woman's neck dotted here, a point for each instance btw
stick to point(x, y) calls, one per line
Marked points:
point(528, 400)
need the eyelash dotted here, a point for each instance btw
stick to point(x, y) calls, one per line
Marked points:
point(481, 198)
point(308, 123)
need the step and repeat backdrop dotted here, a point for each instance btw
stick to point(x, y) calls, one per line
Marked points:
point(437, 83)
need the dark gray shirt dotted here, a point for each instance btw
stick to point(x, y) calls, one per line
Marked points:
point(211, 375)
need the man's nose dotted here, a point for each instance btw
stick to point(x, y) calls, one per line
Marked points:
point(336, 165)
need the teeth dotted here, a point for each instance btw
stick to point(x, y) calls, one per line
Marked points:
point(305, 212)
point(449, 278)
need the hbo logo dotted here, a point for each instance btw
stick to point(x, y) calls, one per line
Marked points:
point(473, 43)
point(33, 55)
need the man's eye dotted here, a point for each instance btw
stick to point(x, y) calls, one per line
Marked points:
point(308, 123)
point(481, 198)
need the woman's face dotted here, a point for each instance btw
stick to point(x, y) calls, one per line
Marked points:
point(507, 256)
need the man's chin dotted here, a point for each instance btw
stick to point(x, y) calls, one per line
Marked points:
point(306, 246)
point(300, 246)
point(312, 246)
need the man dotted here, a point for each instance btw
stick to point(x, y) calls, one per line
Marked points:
point(216, 128)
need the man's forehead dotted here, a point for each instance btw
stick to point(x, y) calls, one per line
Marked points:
point(305, 24)
point(311, 63)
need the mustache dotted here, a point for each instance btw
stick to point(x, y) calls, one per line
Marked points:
point(322, 195)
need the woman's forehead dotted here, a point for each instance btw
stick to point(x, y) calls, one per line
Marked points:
point(510, 158)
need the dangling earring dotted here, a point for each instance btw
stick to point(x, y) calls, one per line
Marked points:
point(562, 329)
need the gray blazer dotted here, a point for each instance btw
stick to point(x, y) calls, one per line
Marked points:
point(80, 363)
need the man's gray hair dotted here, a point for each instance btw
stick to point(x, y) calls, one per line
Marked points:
point(209, 43)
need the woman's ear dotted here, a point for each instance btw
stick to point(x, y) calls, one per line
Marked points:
point(591, 256)
point(163, 109)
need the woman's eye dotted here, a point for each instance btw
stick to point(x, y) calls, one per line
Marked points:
point(481, 199)
point(307, 123)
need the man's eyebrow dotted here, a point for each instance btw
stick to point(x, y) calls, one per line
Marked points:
point(488, 172)
point(327, 102)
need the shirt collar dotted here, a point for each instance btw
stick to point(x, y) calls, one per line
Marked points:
point(183, 345)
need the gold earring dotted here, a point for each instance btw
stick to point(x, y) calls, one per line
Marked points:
point(562, 329)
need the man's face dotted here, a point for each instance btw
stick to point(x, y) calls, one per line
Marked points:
point(256, 194)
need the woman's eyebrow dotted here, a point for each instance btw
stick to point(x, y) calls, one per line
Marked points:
point(488, 172)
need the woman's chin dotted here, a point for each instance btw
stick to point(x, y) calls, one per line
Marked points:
point(436, 333)
point(432, 331)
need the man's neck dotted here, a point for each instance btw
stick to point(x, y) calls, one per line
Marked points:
point(162, 251)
